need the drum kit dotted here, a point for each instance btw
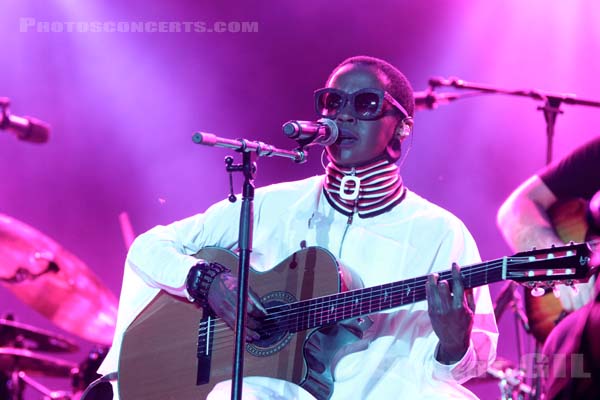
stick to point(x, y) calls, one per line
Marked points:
point(59, 286)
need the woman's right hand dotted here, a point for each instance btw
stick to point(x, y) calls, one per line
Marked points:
point(222, 298)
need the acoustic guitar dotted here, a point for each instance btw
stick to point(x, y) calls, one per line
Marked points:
point(574, 220)
point(175, 350)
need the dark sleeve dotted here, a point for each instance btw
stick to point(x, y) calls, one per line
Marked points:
point(577, 175)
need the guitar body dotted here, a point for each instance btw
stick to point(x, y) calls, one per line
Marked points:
point(175, 350)
point(570, 219)
point(158, 356)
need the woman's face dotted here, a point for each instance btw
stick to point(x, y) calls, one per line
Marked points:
point(360, 141)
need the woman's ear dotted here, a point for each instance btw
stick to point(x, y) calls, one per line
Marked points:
point(401, 132)
point(405, 128)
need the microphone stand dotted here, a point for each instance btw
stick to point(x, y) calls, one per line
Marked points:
point(551, 107)
point(248, 168)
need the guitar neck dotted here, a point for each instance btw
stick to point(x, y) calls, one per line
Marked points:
point(327, 310)
point(537, 268)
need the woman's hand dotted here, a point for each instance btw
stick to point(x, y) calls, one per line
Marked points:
point(451, 314)
point(222, 298)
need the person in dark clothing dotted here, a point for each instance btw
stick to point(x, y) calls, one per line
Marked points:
point(561, 203)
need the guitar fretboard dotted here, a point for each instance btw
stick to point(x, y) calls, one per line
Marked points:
point(327, 310)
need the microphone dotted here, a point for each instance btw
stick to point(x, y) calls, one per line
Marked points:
point(429, 100)
point(323, 131)
point(26, 128)
point(439, 81)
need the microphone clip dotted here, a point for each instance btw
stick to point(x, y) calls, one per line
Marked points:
point(4, 104)
point(323, 132)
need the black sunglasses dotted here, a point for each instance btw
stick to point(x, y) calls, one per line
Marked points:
point(365, 103)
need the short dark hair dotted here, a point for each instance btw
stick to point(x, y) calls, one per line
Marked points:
point(399, 87)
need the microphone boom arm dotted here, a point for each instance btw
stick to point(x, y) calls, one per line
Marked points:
point(551, 107)
point(246, 146)
point(534, 94)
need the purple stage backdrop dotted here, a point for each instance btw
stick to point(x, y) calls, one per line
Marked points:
point(125, 84)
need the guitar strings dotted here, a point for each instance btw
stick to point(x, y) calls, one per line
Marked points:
point(350, 304)
point(223, 341)
point(273, 322)
point(467, 271)
point(394, 287)
point(299, 318)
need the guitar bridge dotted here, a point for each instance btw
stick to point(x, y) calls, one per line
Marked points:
point(206, 331)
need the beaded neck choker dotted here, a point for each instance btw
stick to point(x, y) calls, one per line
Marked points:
point(368, 190)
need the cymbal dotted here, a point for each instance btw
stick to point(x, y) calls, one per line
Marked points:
point(54, 282)
point(16, 334)
point(33, 364)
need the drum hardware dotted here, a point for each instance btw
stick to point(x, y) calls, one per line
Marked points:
point(19, 365)
point(511, 380)
point(18, 335)
point(511, 384)
point(55, 283)
point(58, 285)
point(85, 373)
point(48, 394)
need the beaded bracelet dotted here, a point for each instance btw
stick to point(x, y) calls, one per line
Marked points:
point(199, 279)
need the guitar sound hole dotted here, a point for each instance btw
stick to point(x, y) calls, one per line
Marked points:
point(268, 338)
point(273, 336)
point(275, 331)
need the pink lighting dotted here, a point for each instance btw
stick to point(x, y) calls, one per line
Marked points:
point(123, 107)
